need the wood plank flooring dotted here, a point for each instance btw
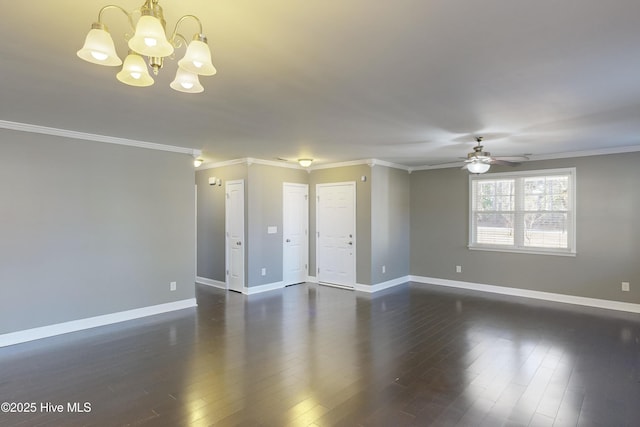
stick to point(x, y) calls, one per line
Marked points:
point(310, 355)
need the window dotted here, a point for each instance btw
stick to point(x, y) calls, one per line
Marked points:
point(531, 211)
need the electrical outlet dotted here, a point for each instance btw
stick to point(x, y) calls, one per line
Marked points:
point(264, 271)
point(384, 268)
point(458, 269)
point(173, 286)
point(625, 286)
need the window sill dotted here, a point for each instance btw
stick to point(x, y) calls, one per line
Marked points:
point(521, 251)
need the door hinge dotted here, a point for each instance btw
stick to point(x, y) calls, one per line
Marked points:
point(227, 195)
point(227, 272)
point(318, 270)
point(305, 267)
point(306, 197)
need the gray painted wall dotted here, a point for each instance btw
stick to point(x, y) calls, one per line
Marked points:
point(211, 225)
point(608, 235)
point(263, 208)
point(88, 229)
point(363, 215)
point(390, 225)
point(263, 204)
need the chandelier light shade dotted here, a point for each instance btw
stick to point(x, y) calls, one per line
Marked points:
point(478, 167)
point(99, 48)
point(305, 163)
point(150, 39)
point(134, 71)
point(148, 48)
point(197, 60)
point(186, 82)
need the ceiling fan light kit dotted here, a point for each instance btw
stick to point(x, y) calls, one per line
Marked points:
point(150, 41)
point(478, 167)
point(479, 161)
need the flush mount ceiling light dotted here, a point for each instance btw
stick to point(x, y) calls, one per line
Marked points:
point(150, 41)
point(305, 163)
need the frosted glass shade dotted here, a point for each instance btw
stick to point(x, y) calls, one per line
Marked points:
point(150, 39)
point(99, 48)
point(197, 59)
point(305, 163)
point(478, 167)
point(186, 82)
point(134, 72)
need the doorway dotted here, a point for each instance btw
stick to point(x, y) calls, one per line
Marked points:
point(234, 232)
point(336, 234)
point(295, 233)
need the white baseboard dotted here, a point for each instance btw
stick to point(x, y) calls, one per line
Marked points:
point(382, 286)
point(92, 322)
point(527, 293)
point(246, 290)
point(263, 288)
point(312, 279)
point(210, 282)
point(333, 285)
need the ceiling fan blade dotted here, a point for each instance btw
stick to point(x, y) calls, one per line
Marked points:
point(512, 158)
point(504, 162)
point(444, 164)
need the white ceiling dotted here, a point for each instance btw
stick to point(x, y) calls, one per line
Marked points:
point(405, 81)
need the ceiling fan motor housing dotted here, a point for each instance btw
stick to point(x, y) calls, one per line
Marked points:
point(478, 154)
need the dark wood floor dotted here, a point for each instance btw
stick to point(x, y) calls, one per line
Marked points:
point(317, 356)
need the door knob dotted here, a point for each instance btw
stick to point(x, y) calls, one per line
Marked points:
point(351, 243)
point(288, 240)
point(239, 243)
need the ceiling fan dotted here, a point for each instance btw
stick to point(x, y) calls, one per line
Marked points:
point(479, 161)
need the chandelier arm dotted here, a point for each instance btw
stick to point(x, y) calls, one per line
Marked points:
point(121, 9)
point(178, 39)
point(175, 29)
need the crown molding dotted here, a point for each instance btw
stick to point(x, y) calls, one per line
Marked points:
point(554, 156)
point(83, 136)
point(251, 161)
point(368, 162)
point(215, 165)
point(65, 133)
point(587, 153)
point(341, 164)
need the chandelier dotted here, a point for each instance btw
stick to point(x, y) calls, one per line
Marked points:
point(150, 41)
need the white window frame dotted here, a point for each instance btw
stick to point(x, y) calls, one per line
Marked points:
point(518, 247)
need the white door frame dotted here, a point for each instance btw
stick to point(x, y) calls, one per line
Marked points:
point(305, 217)
point(241, 238)
point(354, 219)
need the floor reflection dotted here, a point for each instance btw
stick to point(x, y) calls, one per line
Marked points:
point(319, 354)
point(311, 355)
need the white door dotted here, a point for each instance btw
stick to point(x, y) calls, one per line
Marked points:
point(234, 227)
point(336, 233)
point(295, 224)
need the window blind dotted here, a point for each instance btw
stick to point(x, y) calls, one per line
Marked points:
point(531, 211)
